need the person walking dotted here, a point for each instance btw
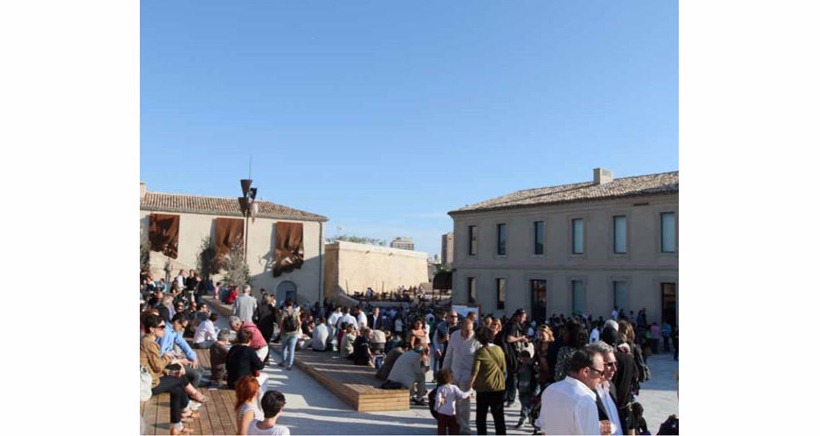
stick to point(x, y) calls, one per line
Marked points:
point(487, 378)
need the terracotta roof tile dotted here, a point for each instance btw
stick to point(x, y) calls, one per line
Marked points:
point(652, 184)
point(156, 201)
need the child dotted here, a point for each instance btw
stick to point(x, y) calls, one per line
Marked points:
point(446, 396)
point(640, 422)
point(219, 355)
point(527, 384)
point(272, 404)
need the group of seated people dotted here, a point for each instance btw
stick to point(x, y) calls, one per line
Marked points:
point(400, 295)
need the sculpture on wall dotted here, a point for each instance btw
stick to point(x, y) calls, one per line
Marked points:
point(290, 250)
point(163, 233)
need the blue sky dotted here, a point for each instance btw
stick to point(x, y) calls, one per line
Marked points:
point(384, 116)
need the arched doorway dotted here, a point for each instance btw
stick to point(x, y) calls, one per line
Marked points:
point(285, 290)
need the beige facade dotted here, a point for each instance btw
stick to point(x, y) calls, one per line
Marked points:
point(197, 223)
point(352, 267)
point(591, 281)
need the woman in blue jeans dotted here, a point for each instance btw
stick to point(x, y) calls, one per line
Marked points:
point(291, 330)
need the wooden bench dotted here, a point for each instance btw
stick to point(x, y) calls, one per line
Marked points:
point(354, 384)
point(216, 416)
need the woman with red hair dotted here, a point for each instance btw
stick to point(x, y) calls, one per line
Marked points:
point(247, 404)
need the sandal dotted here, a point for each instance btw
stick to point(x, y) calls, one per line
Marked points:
point(183, 430)
point(200, 398)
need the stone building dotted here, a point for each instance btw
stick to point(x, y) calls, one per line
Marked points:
point(578, 248)
point(447, 240)
point(285, 247)
point(403, 243)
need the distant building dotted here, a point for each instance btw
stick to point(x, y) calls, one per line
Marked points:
point(351, 267)
point(403, 243)
point(447, 248)
point(580, 248)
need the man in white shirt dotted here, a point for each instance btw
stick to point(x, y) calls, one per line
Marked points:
point(331, 324)
point(361, 318)
point(604, 389)
point(615, 313)
point(595, 334)
point(459, 358)
point(205, 334)
point(320, 335)
point(568, 406)
point(347, 318)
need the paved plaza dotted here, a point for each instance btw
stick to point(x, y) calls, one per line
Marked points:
point(312, 409)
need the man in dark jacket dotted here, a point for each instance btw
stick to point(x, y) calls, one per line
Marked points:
point(625, 377)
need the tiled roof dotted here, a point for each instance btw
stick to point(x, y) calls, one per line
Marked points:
point(652, 184)
point(181, 203)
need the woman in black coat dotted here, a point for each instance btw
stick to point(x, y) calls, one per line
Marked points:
point(242, 360)
point(266, 319)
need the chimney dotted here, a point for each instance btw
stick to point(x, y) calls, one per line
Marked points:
point(601, 176)
point(143, 190)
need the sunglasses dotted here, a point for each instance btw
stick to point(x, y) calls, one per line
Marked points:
point(162, 326)
point(610, 364)
point(596, 370)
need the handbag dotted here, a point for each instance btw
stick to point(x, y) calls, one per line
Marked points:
point(145, 384)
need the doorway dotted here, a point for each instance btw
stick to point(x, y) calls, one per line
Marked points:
point(669, 303)
point(286, 290)
point(538, 303)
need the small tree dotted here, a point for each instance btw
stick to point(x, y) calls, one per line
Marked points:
point(358, 240)
point(145, 250)
point(237, 272)
point(206, 260)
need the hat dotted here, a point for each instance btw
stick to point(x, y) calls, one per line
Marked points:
point(519, 312)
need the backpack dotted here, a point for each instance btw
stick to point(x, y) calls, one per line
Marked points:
point(431, 402)
point(643, 369)
point(289, 324)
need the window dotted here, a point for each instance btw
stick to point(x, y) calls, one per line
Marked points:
point(668, 232)
point(619, 288)
point(471, 290)
point(619, 234)
point(500, 292)
point(538, 232)
point(578, 236)
point(501, 239)
point(578, 297)
point(472, 237)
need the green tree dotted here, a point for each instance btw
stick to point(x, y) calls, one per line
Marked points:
point(237, 272)
point(206, 262)
point(357, 239)
point(145, 250)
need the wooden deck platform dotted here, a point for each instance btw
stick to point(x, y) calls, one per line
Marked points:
point(216, 416)
point(355, 385)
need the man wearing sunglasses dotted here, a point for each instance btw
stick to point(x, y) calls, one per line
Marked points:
point(173, 337)
point(568, 406)
point(605, 391)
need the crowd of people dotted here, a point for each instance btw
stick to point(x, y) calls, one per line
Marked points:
point(571, 375)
